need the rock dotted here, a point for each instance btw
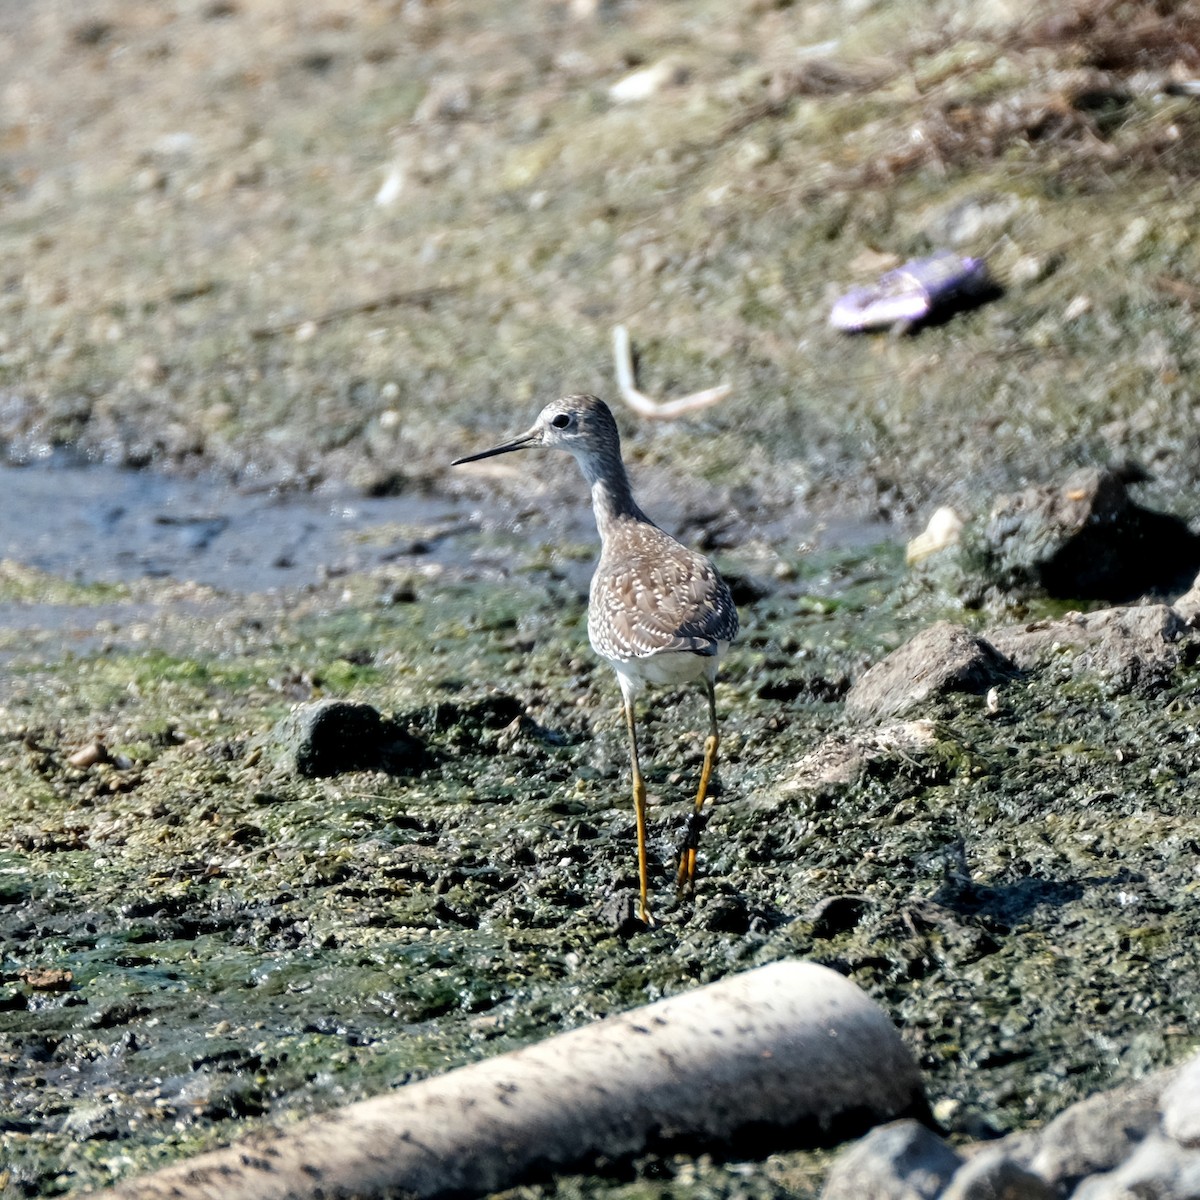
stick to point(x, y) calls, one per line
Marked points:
point(843, 756)
point(1085, 539)
point(1158, 1168)
point(1188, 605)
point(1137, 1140)
point(100, 1122)
point(449, 98)
point(723, 914)
point(991, 1174)
point(89, 756)
point(47, 979)
point(1098, 1133)
point(787, 1054)
point(832, 915)
point(943, 658)
point(900, 1161)
point(648, 81)
point(1181, 1105)
point(332, 736)
point(618, 913)
point(1133, 648)
point(523, 734)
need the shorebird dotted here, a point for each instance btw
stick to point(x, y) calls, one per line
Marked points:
point(658, 613)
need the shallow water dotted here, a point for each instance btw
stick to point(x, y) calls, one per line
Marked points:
point(94, 523)
point(102, 524)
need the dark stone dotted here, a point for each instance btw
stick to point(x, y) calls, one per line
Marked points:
point(899, 1161)
point(1085, 540)
point(333, 736)
point(92, 33)
point(619, 913)
point(832, 915)
point(450, 915)
point(724, 914)
point(12, 998)
point(747, 589)
point(942, 658)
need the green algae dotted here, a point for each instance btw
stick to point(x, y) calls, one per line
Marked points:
point(244, 945)
point(19, 583)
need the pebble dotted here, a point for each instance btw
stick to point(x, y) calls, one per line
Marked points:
point(1181, 1106)
point(392, 186)
point(1139, 1140)
point(89, 756)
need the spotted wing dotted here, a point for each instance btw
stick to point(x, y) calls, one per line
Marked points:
point(662, 599)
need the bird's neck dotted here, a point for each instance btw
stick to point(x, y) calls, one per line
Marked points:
point(612, 497)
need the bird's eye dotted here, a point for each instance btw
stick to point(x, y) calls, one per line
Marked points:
point(560, 420)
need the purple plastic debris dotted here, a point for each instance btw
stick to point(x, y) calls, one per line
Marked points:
point(911, 292)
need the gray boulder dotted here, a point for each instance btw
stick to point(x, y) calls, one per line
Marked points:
point(1133, 648)
point(899, 1161)
point(943, 658)
point(1084, 539)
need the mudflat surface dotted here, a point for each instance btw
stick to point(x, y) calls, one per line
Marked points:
point(270, 267)
point(200, 271)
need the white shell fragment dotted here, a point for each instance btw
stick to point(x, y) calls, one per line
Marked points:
point(391, 187)
point(782, 1055)
point(647, 81)
point(944, 529)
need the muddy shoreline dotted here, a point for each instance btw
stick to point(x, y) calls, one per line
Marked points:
point(199, 941)
point(271, 356)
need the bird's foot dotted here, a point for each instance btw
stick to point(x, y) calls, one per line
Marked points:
point(685, 877)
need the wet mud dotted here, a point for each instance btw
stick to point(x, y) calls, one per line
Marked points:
point(269, 357)
point(197, 939)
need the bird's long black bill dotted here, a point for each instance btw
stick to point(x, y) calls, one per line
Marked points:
point(521, 443)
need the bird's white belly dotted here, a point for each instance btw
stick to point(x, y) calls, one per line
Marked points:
point(669, 668)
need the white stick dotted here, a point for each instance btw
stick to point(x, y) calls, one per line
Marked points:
point(664, 410)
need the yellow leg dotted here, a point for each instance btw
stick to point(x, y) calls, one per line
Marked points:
point(639, 808)
point(686, 875)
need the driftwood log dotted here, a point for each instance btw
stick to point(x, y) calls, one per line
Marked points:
point(788, 1054)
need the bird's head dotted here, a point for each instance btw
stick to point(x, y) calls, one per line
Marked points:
point(581, 425)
